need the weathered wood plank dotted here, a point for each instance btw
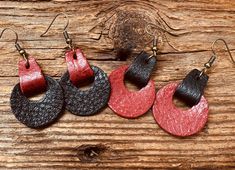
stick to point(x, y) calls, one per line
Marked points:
point(106, 141)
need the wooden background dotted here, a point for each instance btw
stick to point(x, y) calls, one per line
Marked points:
point(106, 141)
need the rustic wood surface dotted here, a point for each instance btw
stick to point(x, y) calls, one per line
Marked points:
point(106, 141)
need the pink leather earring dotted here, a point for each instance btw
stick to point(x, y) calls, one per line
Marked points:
point(185, 122)
point(134, 104)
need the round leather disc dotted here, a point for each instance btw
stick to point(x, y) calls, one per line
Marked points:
point(174, 120)
point(87, 102)
point(126, 103)
point(36, 114)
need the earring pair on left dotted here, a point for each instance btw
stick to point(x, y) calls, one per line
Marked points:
point(66, 92)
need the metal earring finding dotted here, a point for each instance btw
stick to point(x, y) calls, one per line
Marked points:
point(21, 51)
point(211, 61)
point(65, 33)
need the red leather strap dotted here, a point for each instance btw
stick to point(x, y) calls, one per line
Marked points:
point(78, 67)
point(32, 80)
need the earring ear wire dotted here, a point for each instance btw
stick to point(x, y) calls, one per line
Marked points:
point(68, 40)
point(21, 51)
point(155, 40)
point(151, 25)
point(211, 61)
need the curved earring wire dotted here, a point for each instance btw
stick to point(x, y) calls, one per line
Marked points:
point(65, 33)
point(226, 45)
point(211, 61)
point(162, 29)
point(155, 40)
point(65, 27)
point(16, 35)
point(21, 51)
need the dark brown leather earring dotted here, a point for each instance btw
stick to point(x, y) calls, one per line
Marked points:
point(40, 113)
point(77, 101)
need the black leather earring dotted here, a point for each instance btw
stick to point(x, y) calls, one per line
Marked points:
point(77, 101)
point(34, 114)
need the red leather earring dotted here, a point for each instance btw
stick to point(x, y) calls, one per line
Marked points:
point(129, 104)
point(133, 104)
point(77, 101)
point(185, 122)
point(34, 114)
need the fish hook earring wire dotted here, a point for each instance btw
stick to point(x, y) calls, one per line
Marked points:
point(34, 114)
point(164, 30)
point(211, 61)
point(18, 47)
point(155, 41)
point(186, 122)
point(65, 33)
point(82, 102)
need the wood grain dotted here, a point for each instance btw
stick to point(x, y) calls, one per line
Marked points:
point(106, 141)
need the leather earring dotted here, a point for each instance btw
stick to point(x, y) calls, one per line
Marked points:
point(77, 101)
point(179, 122)
point(134, 104)
point(34, 114)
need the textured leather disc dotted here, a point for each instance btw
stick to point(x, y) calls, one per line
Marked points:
point(36, 114)
point(174, 120)
point(126, 103)
point(87, 102)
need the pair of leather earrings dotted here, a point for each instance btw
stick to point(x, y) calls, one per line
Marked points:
point(170, 118)
point(41, 113)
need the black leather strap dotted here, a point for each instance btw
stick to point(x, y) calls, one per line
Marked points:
point(191, 89)
point(140, 70)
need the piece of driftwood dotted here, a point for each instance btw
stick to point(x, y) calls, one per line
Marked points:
point(106, 141)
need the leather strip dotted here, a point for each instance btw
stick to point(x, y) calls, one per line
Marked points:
point(32, 80)
point(191, 89)
point(78, 66)
point(140, 70)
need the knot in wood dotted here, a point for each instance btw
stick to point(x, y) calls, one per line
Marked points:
point(128, 31)
point(90, 153)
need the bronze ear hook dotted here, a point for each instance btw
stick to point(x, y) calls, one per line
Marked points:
point(65, 33)
point(226, 45)
point(211, 61)
point(16, 35)
point(155, 40)
point(164, 30)
point(21, 51)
